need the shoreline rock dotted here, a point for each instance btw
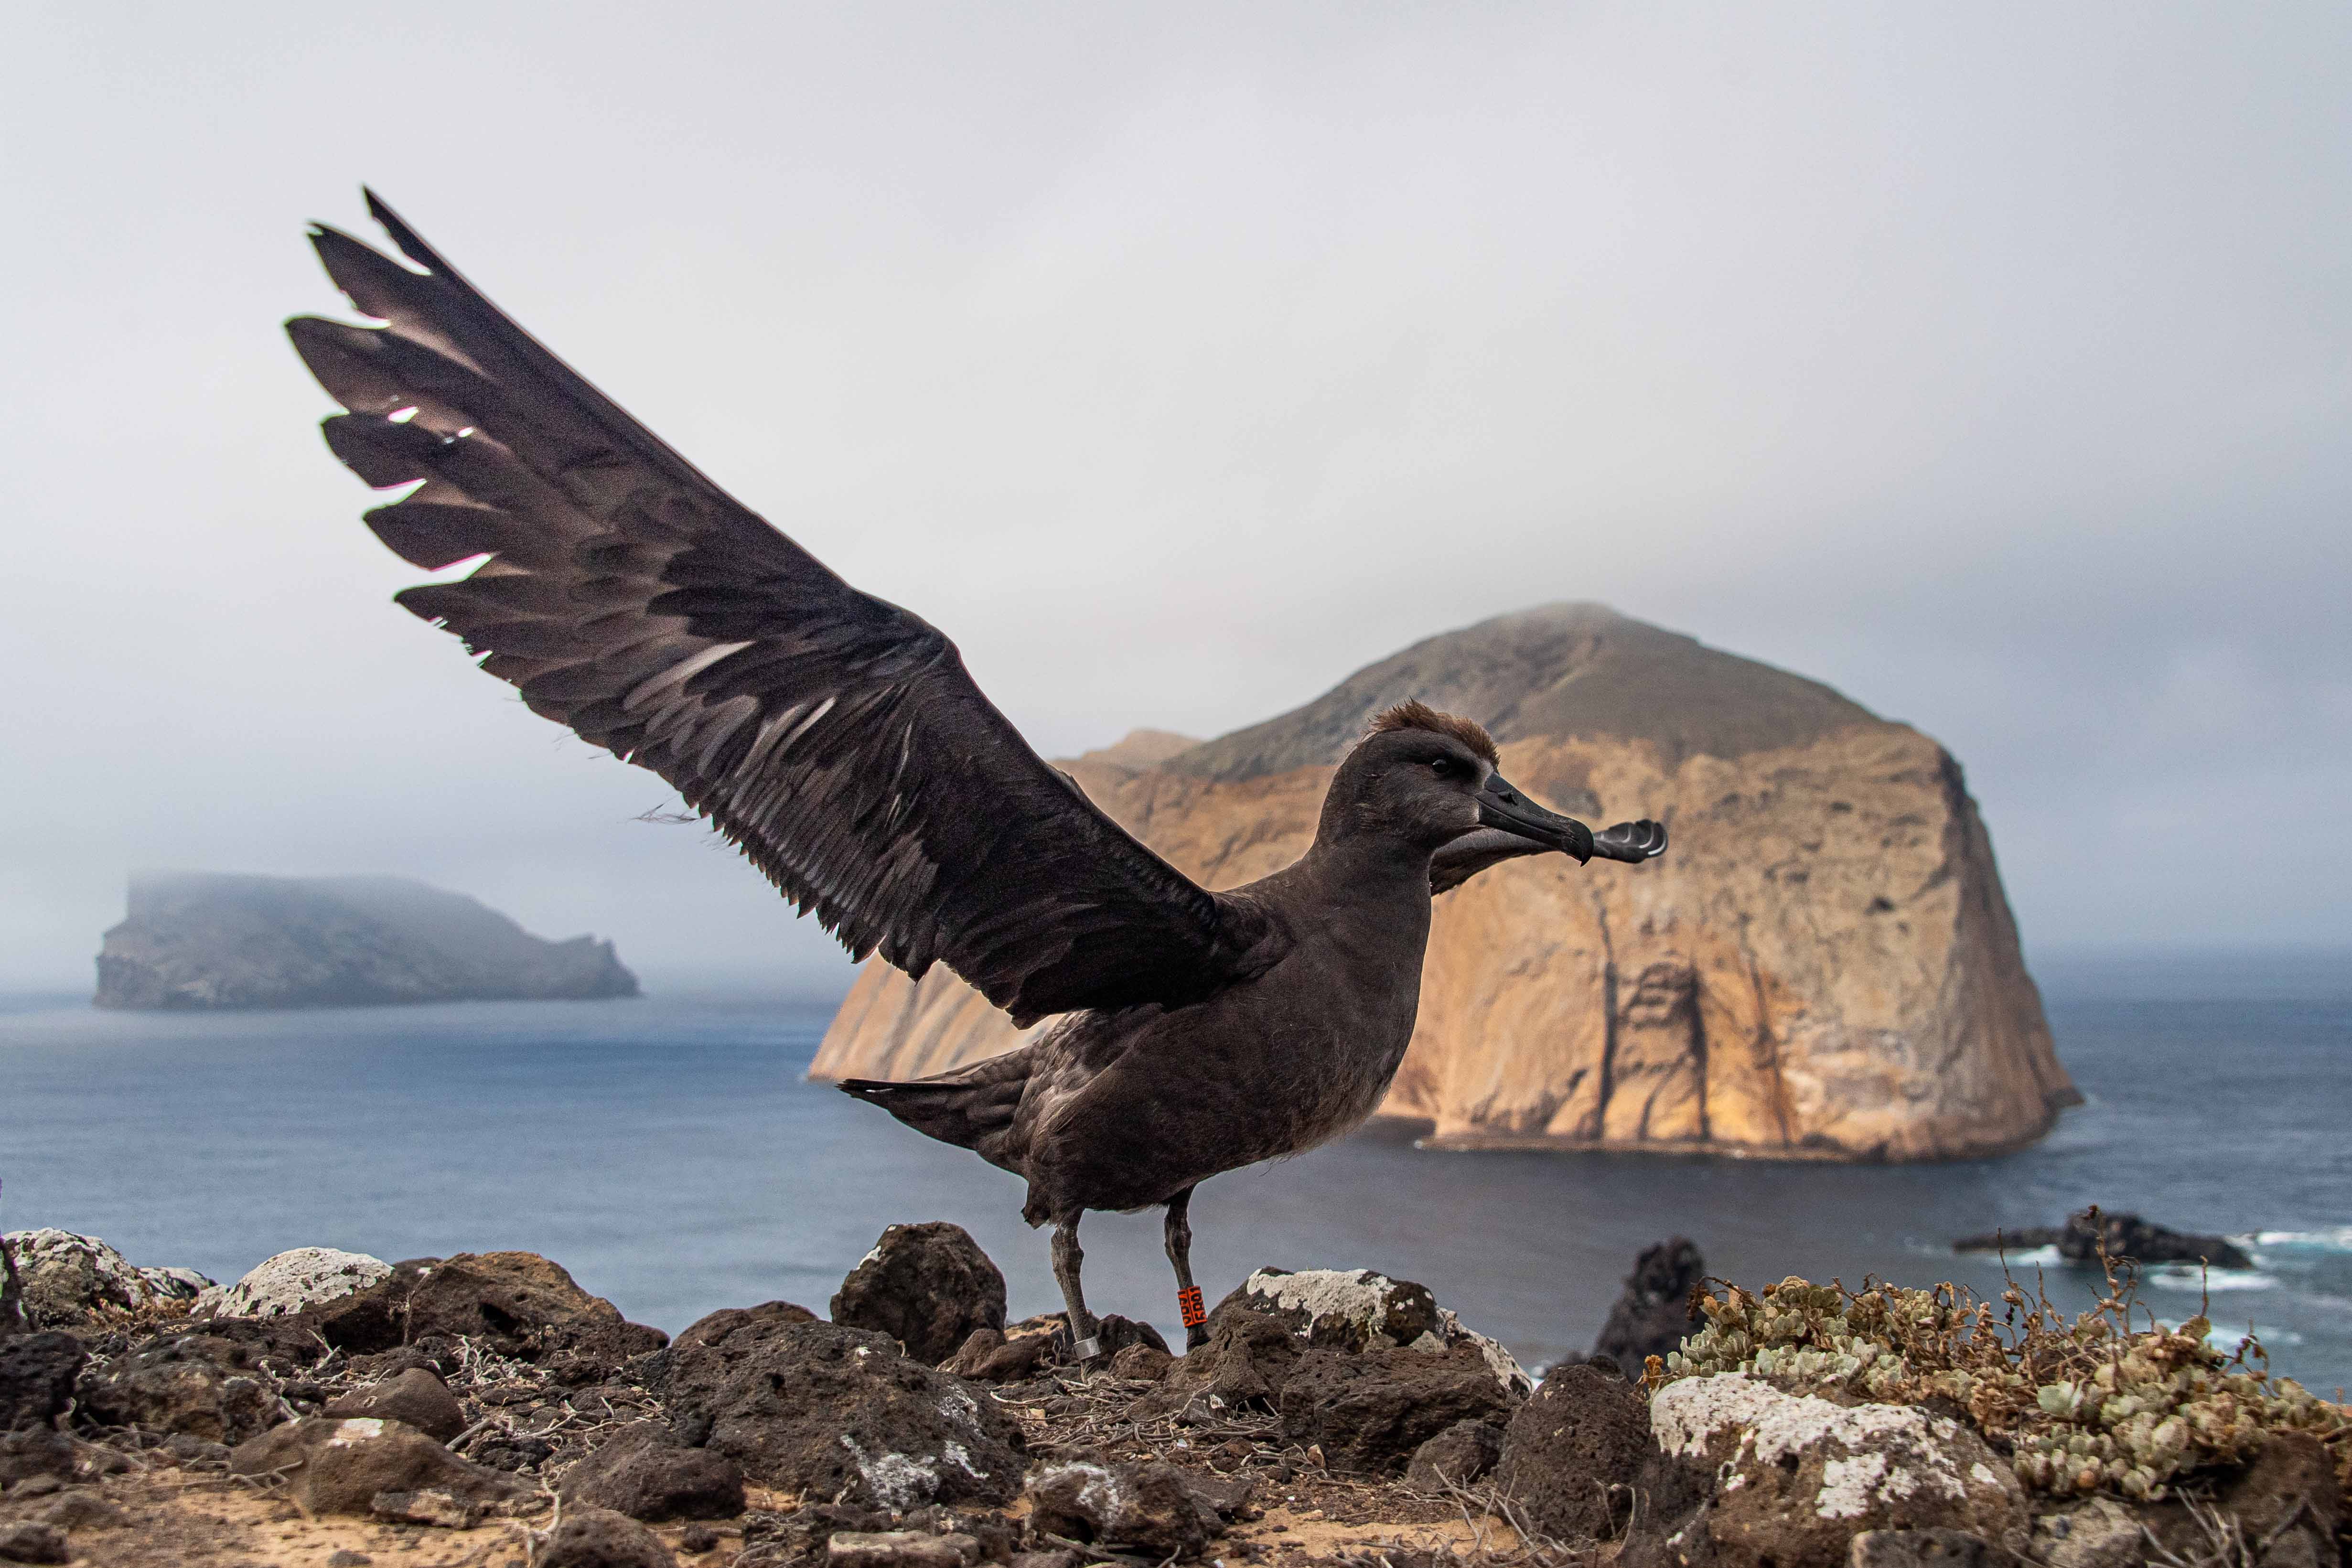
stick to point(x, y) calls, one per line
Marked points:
point(2125, 1237)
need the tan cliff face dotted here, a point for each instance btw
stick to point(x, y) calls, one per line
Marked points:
point(1821, 965)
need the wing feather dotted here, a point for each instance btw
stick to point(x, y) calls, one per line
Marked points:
point(837, 740)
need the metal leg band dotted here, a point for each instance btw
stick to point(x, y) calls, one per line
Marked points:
point(1087, 1349)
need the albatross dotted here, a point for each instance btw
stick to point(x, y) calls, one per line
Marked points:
point(838, 741)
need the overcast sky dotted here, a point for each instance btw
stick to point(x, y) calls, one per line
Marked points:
point(1991, 363)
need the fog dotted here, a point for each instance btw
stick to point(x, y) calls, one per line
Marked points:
point(1992, 363)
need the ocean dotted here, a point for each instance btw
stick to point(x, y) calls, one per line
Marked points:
point(668, 1152)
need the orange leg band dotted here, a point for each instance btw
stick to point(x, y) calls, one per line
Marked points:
point(1189, 1303)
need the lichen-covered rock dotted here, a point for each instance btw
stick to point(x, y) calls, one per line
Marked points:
point(294, 1281)
point(1357, 1308)
point(1573, 1455)
point(341, 1464)
point(1143, 1508)
point(644, 1471)
point(1461, 1454)
point(72, 1280)
point(1798, 1478)
point(836, 1412)
point(415, 1396)
point(1341, 1309)
point(1653, 1314)
point(1371, 1410)
point(927, 1286)
point(599, 1538)
point(36, 1378)
point(210, 1388)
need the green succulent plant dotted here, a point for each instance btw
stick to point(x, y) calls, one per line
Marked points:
point(2081, 1405)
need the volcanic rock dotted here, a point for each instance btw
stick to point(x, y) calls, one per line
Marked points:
point(520, 1303)
point(210, 1388)
point(835, 1412)
point(599, 1538)
point(930, 1287)
point(1371, 1410)
point(1142, 1364)
point(1798, 1478)
point(1574, 1454)
point(1652, 1318)
point(33, 1452)
point(1144, 1507)
point(1823, 965)
point(26, 1541)
point(1248, 1359)
point(78, 1508)
point(644, 1471)
point(36, 1378)
point(1923, 1549)
point(340, 1465)
point(2290, 1495)
point(415, 1398)
point(1459, 1455)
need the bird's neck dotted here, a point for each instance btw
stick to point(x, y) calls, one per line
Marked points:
point(1366, 868)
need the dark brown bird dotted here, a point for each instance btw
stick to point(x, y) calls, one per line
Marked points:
point(838, 741)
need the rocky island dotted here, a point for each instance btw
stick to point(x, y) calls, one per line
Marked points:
point(1823, 965)
point(205, 940)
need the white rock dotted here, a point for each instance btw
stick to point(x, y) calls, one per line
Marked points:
point(306, 1277)
point(1356, 1307)
point(1799, 1466)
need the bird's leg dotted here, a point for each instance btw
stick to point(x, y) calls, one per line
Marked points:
point(1083, 1346)
point(1180, 1253)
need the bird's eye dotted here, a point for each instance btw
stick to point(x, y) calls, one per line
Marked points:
point(1444, 767)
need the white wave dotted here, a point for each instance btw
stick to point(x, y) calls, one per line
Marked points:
point(2190, 1276)
point(2337, 1240)
point(2036, 1258)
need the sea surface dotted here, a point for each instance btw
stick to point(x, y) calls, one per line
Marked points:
point(668, 1152)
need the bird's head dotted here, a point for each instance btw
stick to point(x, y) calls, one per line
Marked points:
point(1429, 778)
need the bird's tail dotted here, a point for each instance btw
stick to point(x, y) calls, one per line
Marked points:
point(971, 1107)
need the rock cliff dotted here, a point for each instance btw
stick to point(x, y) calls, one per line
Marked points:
point(199, 940)
point(1822, 966)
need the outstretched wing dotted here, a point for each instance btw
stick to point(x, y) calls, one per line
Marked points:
point(836, 739)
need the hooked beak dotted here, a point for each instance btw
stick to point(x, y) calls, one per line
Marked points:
point(1500, 805)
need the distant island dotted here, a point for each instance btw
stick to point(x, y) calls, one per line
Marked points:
point(196, 940)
